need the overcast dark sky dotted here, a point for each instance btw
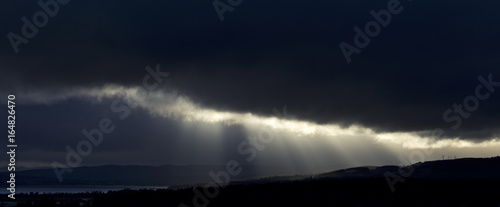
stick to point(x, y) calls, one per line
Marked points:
point(264, 55)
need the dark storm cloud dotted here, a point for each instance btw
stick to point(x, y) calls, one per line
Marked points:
point(271, 53)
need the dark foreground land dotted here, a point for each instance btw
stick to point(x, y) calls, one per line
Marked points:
point(348, 192)
point(463, 182)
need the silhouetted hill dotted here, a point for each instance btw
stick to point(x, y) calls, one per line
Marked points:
point(466, 168)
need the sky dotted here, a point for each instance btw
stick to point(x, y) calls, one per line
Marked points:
point(299, 83)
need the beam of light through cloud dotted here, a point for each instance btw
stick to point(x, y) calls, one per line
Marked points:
point(355, 144)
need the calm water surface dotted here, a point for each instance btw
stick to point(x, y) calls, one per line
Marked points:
point(81, 189)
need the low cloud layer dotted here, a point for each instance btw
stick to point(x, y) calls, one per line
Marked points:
point(174, 129)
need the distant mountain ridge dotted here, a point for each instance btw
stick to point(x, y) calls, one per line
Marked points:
point(165, 175)
point(174, 175)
